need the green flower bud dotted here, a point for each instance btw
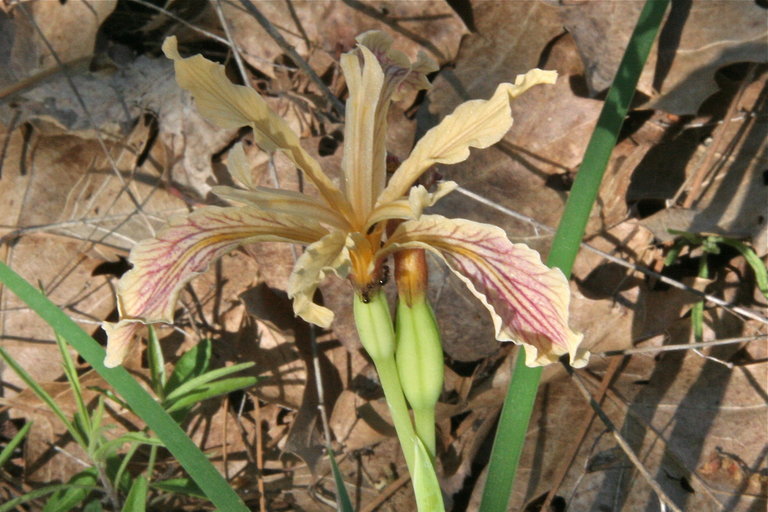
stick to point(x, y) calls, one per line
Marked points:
point(374, 326)
point(419, 354)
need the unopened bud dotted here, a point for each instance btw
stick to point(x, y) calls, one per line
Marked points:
point(411, 275)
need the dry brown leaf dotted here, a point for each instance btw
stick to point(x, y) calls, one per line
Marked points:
point(696, 40)
point(23, 52)
point(331, 27)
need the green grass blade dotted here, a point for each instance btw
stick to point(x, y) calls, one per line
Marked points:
point(342, 497)
point(523, 385)
point(193, 384)
point(42, 394)
point(184, 450)
point(136, 501)
point(7, 452)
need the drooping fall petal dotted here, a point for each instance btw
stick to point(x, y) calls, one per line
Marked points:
point(326, 255)
point(234, 106)
point(475, 123)
point(528, 301)
point(184, 249)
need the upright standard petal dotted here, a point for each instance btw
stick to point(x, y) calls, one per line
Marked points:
point(233, 106)
point(364, 82)
point(475, 123)
point(184, 249)
point(326, 255)
point(399, 77)
point(527, 300)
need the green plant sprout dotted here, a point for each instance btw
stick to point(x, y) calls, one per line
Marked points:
point(710, 244)
point(191, 382)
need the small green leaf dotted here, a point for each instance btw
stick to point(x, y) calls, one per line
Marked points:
point(201, 380)
point(78, 488)
point(343, 501)
point(43, 395)
point(179, 486)
point(761, 273)
point(136, 501)
point(7, 452)
point(156, 363)
point(429, 497)
point(193, 363)
point(212, 390)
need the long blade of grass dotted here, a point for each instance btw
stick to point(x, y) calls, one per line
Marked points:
point(178, 443)
point(523, 385)
point(7, 452)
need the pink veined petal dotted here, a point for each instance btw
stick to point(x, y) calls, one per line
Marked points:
point(527, 300)
point(184, 249)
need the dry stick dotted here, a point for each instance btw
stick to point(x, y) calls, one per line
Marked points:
point(622, 442)
point(337, 105)
point(259, 456)
point(704, 168)
point(313, 338)
point(184, 22)
point(387, 493)
point(621, 404)
point(583, 429)
point(683, 346)
point(235, 49)
point(735, 310)
point(81, 102)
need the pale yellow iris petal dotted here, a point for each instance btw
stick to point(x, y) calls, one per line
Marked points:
point(399, 77)
point(322, 257)
point(233, 106)
point(475, 123)
point(364, 82)
point(283, 201)
point(411, 207)
point(184, 249)
point(527, 300)
point(239, 167)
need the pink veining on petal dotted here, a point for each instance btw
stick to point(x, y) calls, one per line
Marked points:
point(186, 248)
point(528, 301)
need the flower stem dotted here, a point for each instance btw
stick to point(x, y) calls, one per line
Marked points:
point(374, 325)
point(425, 428)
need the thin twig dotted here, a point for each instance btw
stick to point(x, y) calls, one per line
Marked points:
point(337, 105)
point(736, 310)
point(666, 500)
point(232, 44)
point(583, 429)
point(683, 346)
point(87, 113)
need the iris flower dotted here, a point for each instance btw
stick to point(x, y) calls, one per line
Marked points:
point(344, 226)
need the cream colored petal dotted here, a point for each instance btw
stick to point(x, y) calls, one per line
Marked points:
point(527, 300)
point(411, 207)
point(122, 339)
point(322, 257)
point(361, 155)
point(233, 106)
point(283, 201)
point(475, 123)
point(184, 249)
point(239, 167)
